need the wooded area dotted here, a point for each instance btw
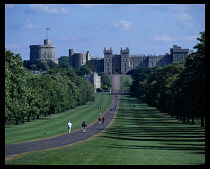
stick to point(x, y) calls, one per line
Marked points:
point(29, 96)
point(177, 89)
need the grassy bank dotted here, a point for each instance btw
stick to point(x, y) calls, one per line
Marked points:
point(57, 123)
point(140, 135)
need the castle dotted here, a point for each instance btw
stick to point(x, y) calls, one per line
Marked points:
point(46, 51)
point(121, 64)
point(111, 63)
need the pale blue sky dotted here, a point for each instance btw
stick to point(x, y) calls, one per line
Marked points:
point(144, 28)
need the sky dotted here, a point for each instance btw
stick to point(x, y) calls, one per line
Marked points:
point(144, 28)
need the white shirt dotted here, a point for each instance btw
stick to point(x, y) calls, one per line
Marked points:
point(69, 124)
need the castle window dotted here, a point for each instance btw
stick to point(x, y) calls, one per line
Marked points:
point(125, 64)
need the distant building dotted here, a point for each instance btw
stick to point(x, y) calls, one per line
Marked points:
point(35, 72)
point(78, 59)
point(46, 51)
point(124, 62)
point(94, 79)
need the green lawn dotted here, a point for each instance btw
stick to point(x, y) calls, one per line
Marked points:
point(124, 81)
point(140, 135)
point(57, 123)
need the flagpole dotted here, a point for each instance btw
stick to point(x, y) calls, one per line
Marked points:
point(47, 33)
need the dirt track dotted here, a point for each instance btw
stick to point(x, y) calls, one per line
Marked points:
point(74, 137)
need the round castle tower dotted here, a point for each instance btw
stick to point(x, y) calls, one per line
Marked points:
point(46, 51)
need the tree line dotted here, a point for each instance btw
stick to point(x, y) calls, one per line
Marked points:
point(31, 96)
point(43, 65)
point(177, 89)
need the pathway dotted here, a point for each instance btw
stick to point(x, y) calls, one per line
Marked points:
point(74, 137)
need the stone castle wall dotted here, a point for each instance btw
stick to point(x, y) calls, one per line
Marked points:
point(121, 64)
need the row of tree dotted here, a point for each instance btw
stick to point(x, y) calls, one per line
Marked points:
point(28, 95)
point(43, 65)
point(177, 89)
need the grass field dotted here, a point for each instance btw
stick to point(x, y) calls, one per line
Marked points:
point(124, 81)
point(140, 135)
point(57, 123)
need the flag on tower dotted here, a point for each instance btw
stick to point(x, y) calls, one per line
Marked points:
point(48, 29)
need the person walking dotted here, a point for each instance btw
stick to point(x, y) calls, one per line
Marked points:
point(103, 119)
point(84, 125)
point(99, 120)
point(69, 126)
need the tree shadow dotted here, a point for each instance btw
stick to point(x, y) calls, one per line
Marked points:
point(155, 147)
point(141, 123)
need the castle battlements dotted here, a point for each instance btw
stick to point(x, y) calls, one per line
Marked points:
point(124, 62)
point(124, 51)
point(108, 51)
point(178, 49)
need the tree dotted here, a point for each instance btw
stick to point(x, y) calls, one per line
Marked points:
point(91, 64)
point(38, 65)
point(105, 81)
point(65, 66)
point(63, 59)
point(16, 90)
point(29, 95)
point(194, 81)
point(64, 63)
point(40, 87)
point(82, 70)
point(178, 89)
point(139, 76)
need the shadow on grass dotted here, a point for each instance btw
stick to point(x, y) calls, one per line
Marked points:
point(157, 147)
point(146, 125)
point(172, 138)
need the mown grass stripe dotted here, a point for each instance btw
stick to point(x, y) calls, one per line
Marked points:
point(57, 123)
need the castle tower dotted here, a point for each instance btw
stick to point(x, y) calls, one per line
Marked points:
point(46, 42)
point(125, 60)
point(45, 51)
point(178, 54)
point(71, 53)
point(87, 56)
point(78, 59)
point(108, 61)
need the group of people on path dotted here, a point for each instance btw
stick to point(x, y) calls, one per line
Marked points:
point(84, 125)
point(99, 120)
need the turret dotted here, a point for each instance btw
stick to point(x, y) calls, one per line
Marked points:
point(71, 53)
point(46, 42)
point(178, 54)
point(125, 60)
point(108, 60)
point(87, 56)
point(125, 51)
